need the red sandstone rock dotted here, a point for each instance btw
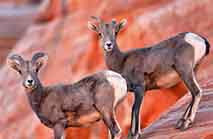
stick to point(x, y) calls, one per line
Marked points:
point(74, 52)
point(15, 17)
point(14, 2)
point(201, 129)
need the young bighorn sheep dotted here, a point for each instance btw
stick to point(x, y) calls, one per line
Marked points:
point(80, 104)
point(160, 66)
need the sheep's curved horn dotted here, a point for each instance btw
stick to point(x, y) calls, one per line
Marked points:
point(97, 19)
point(39, 59)
point(113, 21)
point(44, 6)
point(38, 55)
point(15, 61)
point(16, 58)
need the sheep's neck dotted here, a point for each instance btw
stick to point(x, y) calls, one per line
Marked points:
point(114, 59)
point(35, 97)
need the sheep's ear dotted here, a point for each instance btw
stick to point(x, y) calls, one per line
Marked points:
point(92, 26)
point(39, 59)
point(121, 25)
point(15, 62)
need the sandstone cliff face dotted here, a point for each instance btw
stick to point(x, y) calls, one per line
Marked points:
point(74, 52)
point(15, 17)
point(18, 2)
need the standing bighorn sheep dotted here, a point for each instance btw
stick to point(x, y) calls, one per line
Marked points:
point(74, 105)
point(161, 66)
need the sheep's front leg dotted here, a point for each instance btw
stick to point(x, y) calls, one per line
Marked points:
point(59, 131)
point(135, 121)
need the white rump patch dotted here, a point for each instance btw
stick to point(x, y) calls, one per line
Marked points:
point(198, 43)
point(119, 84)
point(63, 136)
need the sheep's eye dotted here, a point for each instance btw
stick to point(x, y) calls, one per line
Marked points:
point(37, 70)
point(99, 35)
point(116, 33)
point(19, 71)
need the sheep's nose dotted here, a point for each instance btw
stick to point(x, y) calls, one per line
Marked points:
point(30, 81)
point(108, 44)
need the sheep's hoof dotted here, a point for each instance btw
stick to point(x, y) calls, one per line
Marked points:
point(183, 124)
point(136, 136)
point(118, 136)
point(180, 123)
point(129, 136)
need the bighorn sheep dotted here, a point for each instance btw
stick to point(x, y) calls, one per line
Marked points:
point(93, 98)
point(160, 66)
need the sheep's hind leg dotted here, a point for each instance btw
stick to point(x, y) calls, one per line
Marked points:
point(184, 117)
point(104, 104)
point(187, 75)
point(110, 121)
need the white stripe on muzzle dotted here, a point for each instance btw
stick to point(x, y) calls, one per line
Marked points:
point(27, 84)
